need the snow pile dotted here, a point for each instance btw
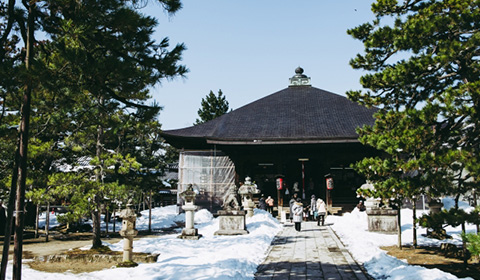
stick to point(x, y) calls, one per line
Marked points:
point(211, 257)
point(352, 228)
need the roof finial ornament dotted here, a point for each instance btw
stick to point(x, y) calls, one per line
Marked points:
point(299, 70)
point(299, 79)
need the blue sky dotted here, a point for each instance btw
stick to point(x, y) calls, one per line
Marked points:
point(249, 49)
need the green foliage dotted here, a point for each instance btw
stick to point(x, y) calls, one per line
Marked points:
point(473, 243)
point(454, 217)
point(423, 76)
point(212, 107)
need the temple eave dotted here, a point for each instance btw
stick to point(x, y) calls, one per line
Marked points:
point(281, 142)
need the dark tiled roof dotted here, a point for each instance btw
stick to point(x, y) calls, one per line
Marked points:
point(294, 114)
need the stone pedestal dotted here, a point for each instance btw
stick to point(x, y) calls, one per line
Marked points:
point(127, 249)
point(189, 232)
point(382, 220)
point(231, 222)
point(248, 205)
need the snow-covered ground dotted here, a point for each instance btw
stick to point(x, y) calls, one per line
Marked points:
point(237, 257)
point(352, 228)
point(211, 257)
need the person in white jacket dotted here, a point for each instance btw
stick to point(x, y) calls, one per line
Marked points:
point(297, 209)
point(322, 211)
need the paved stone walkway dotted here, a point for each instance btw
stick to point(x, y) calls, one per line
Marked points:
point(313, 253)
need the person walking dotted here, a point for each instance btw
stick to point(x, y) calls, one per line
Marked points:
point(313, 208)
point(322, 211)
point(298, 214)
point(262, 204)
point(291, 203)
point(270, 201)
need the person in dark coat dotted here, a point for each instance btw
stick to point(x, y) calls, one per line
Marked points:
point(262, 204)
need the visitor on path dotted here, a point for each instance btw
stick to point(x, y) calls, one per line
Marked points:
point(298, 214)
point(290, 203)
point(296, 187)
point(322, 211)
point(313, 208)
point(361, 206)
point(270, 201)
point(262, 204)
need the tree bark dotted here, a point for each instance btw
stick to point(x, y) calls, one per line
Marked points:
point(9, 221)
point(37, 218)
point(399, 233)
point(464, 246)
point(414, 224)
point(97, 242)
point(107, 220)
point(150, 213)
point(23, 151)
point(47, 222)
point(477, 226)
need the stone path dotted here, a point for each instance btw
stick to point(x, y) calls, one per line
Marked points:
point(313, 253)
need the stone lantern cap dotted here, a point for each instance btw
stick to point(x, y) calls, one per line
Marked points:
point(128, 213)
point(129, 217)
point(189, 194)
point(248, 188)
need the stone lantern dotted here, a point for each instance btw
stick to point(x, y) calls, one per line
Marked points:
point(246, 191)
point(189, 232)
point(128, 231)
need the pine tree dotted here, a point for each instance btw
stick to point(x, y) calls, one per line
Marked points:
point(424, 79)
point(99, 48)
point(213, 106)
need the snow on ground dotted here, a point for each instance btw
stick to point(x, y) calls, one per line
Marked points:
point(211, 257)
point(364, 245)
point(237, 257)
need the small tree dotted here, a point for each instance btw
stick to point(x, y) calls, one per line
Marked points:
point(212, 107)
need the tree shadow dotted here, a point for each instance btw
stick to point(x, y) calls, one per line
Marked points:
point(308, 270)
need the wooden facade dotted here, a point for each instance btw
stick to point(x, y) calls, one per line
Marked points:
point(300, 134)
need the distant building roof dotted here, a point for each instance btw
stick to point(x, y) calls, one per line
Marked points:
point(295, 115)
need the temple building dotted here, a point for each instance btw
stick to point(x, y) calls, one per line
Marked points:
point(299, 139)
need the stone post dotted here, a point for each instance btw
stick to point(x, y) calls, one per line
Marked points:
point(128, 232)
point(189, 232)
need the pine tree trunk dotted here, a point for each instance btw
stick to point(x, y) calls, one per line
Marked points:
point(464, 246)
point(114, 219)
point(47, 222)
point(107, 219)
point(414, 224)
point(97, 242)
point(9, 221)
point(23, 152)
point(399, 233)
point(475, 205)
point(37, 218)
point(150, 213)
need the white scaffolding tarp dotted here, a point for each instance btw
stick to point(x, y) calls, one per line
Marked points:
point(210, 172)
